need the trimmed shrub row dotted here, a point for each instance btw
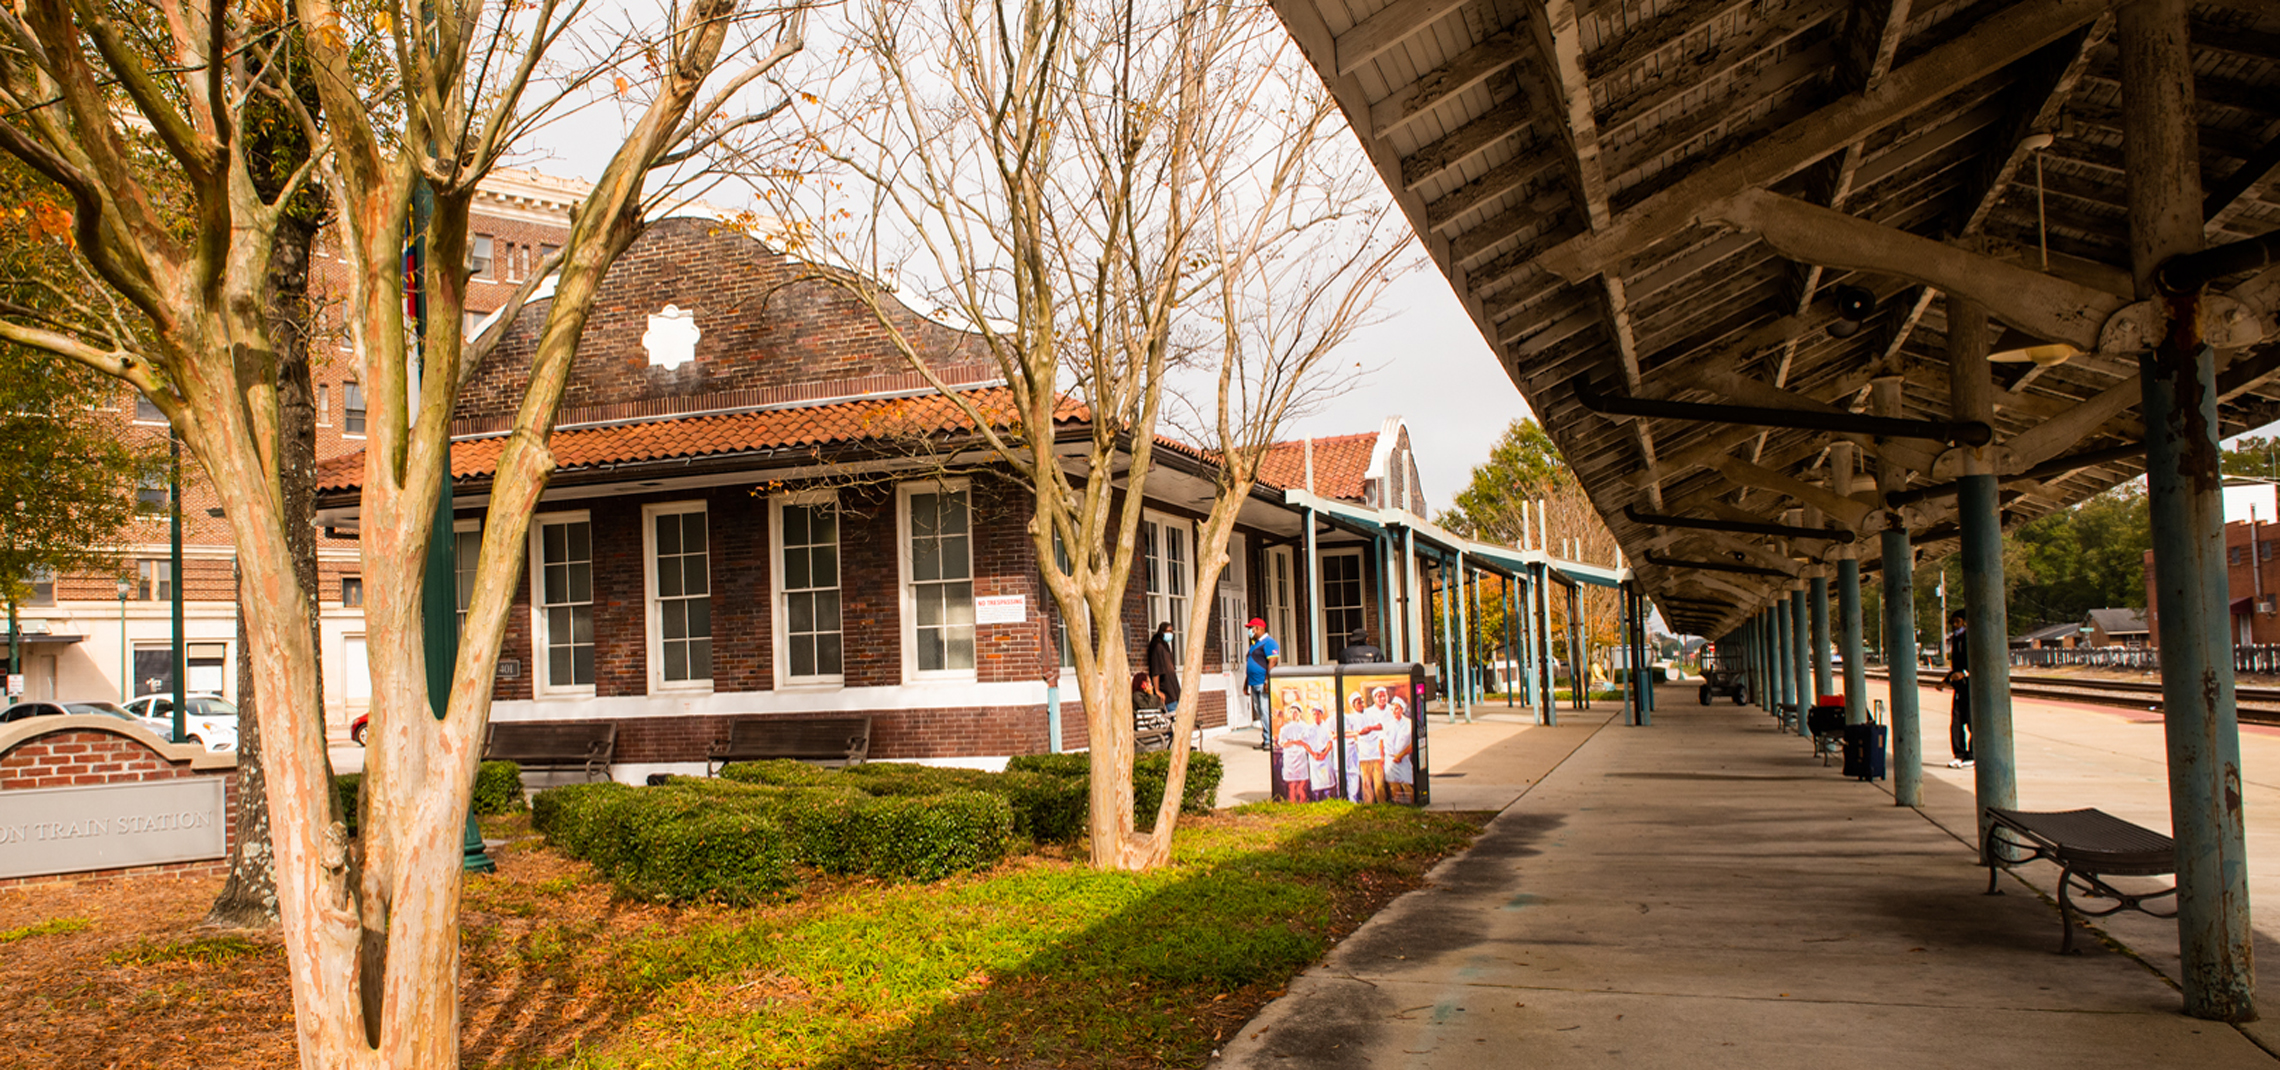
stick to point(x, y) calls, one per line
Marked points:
point(498, 790)
point(1149, 774)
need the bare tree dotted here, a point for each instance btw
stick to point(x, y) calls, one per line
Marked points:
point(1114, 199)
point(413, 103)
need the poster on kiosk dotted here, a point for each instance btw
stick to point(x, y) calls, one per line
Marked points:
point(1352, 732)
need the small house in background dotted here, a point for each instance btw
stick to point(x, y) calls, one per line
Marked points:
point(2116, 627)
point(2053, 637)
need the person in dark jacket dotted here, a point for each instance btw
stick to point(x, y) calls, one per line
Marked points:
point(1164, 667)
point(1358, 650)
point(1958, 678)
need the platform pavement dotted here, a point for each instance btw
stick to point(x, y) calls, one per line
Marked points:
point(1703, 893)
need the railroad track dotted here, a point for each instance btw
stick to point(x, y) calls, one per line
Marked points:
point(2257, 705)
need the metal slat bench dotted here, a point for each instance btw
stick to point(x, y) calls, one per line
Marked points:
point(839, 740)
point(2088, 845)
point(586, 746)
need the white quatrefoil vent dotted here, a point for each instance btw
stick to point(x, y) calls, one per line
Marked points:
point(671, 338)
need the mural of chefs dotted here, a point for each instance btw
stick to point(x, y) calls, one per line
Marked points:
point(1304, 737)
point(1383, 739)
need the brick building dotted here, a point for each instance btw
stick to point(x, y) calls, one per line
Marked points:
point(94, 637)
point(777, 516)
point(2252, 574)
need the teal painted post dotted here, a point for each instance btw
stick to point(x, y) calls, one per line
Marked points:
point(1822, 682)
point(1987, 647)
point(1785, 693)
point(1900, 660)
point(1541, 620)
point(2191, 589)
point(1464, 641)
point(1853, 640)
point(1801, 654)
point(1448, 642)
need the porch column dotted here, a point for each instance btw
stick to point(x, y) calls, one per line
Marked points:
point(1987, 627)
point(1540, 618)
point(1313, 595)
point(1853, 638)
point(1900, 665)
point(1384, 544)
point(1579, 672)
point(1822, 682)
point(1777, 655)
point(1800, 654)
point(1463, 644)
point(2161, 157)
point(1413, 641)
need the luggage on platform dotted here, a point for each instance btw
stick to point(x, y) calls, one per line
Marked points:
point(1864, 750)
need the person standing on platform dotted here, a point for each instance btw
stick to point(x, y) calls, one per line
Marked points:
point(1264, 656)
point(1958, 679)
point(1164, 668)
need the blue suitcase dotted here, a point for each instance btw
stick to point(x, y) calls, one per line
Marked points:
point(1864, 751)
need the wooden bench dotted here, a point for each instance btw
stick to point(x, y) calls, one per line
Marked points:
point(583, 745)
point(831, 740)
point(2088, 845)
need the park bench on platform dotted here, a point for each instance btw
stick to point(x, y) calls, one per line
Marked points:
point(582, 745)
point(2087, 845)
point(841, 740)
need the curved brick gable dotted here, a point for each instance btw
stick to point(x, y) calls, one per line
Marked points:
point(764, 325)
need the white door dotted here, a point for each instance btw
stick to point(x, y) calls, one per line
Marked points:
point(42, 683)
point(1281, 617)
point(1234, 640)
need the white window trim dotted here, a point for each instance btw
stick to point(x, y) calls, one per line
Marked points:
point(1282, 603)
point(780, 618)
point(322, 402)
point(1157, 616)
point(473, 523)
point(905, 597)
point(653, 619)
point(540, 683)
point(344, 431)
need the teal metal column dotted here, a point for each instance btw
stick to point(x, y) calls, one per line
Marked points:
point(1464, 641)
point(1855, 645)
point(1314, 654)
point(1900, 661)
point(1987, 646)
point(1801, 654)
point(1448, 642)
point(1761, 690)
point(1542, 621)
point(1785, 682)
point(2191, 590)
point(1626, 624)
point(1822, 682)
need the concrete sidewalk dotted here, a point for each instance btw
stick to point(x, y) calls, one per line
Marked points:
point(1703, 893)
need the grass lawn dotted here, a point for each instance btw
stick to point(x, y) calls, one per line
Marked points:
point(1039, 961)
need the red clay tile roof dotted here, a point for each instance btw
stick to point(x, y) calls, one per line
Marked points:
point(1340, 462)
point(718, 433)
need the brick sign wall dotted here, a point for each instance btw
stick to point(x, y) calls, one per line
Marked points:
point(90, 797)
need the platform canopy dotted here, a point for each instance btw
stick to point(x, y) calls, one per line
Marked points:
point(1707, 239)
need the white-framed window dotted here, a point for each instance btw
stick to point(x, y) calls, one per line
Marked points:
point(324, 405)
point(810, 640)
point(1168, 544)
point(147, 411)
point(1234, 605)
point(466, 550)
point(154, 580)
point(680, 595)
point(352, 408)
point(1341, 596)
point(936, 522)
point(479, 255)
point(42, 581)
point(1279, 586)
point(352, 592)
point(153, 495)
point(562, 603)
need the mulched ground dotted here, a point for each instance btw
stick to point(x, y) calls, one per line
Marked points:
point(122, 973)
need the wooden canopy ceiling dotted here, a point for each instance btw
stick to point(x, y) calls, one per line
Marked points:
point(1599, 180)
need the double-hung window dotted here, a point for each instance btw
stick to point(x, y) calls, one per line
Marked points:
point(680, 596)
point(938, 578)
point(562, 545)
point(1170, 573)
point(809, 639)
point(1341, 596)
point(466, 550)
point(351, 408)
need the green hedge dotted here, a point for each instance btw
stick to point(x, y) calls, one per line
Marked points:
point(727, 854)
point(566, 815)
point(929, 837)
point(1198, 794)
point(347, 788)
point(498, 788)
point(783, 772)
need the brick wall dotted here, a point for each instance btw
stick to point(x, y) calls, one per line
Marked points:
point(84, 757)
point(762, 325)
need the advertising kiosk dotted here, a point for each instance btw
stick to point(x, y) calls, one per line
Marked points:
point(1352, 732)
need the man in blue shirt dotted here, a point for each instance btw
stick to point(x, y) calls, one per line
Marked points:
point(1265, 654)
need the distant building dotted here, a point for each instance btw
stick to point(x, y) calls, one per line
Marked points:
point(2253, 580)
point(2055, 637)
point(2117, 627)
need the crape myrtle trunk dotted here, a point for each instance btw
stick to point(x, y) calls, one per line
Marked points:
point(249, 897)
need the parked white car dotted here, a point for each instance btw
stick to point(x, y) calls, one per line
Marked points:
point(210, 721)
